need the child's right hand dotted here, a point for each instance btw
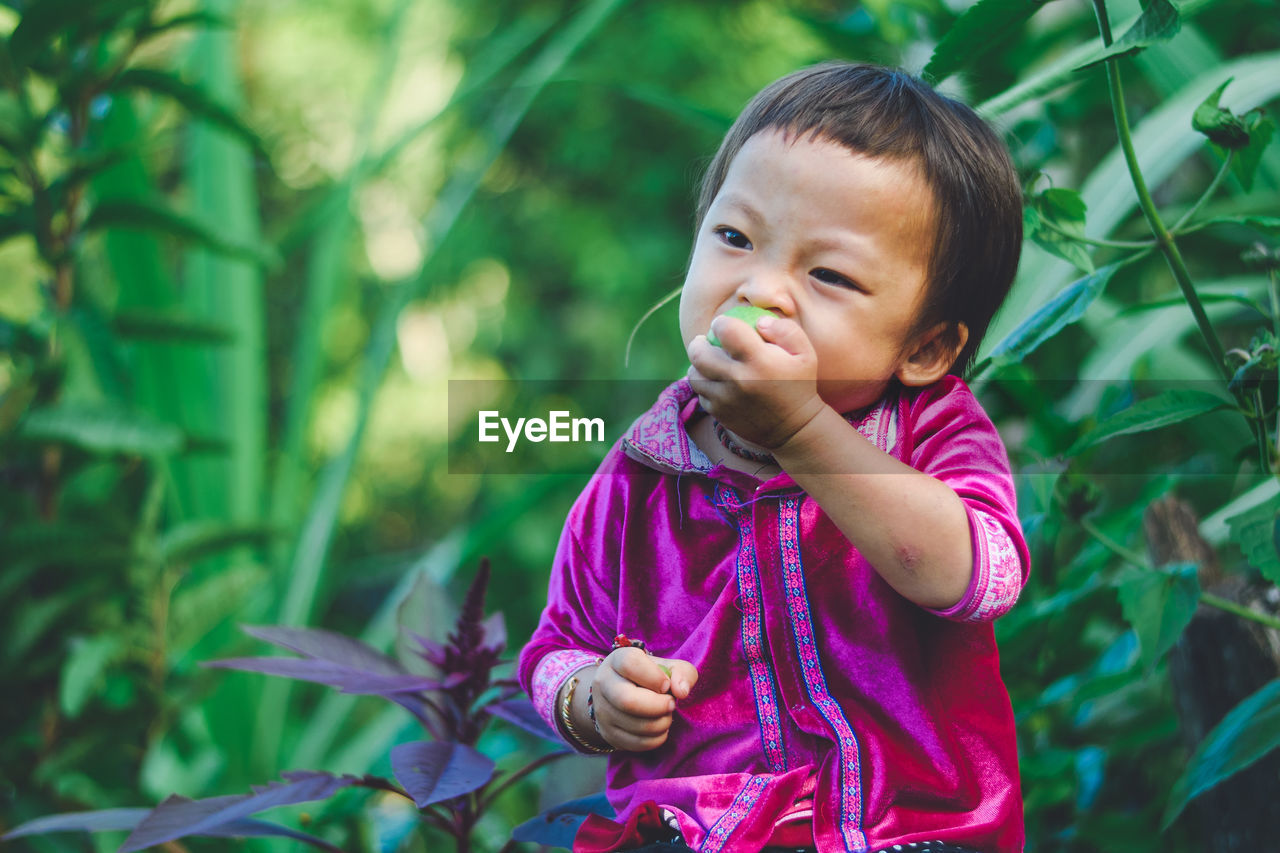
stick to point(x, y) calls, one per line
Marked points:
point(634, 698)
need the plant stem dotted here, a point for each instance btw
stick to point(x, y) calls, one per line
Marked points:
point(1163, 238)
point(1207, 598)
point(1275, 330)
point(1132, 557)
point(488, 797)
point(1208, 193)
point(1239, 610)
point(1092, 241)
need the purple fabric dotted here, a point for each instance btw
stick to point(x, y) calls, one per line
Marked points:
point(812, 669)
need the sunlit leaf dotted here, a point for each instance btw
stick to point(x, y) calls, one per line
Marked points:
point(194, 98)
point(985, 26)
point(83, 671)
point(1058, 313)
point(1158, 23)
point(1255, 531)
point(436, 771)
point(194, 540)
point(1246, 734)
point(1164, 409)
point(102, 429)
point(1159, 604)
point(155, 216)
point(170, 326)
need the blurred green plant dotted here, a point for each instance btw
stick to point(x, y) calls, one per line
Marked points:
point(449, 687)
point(203, 420)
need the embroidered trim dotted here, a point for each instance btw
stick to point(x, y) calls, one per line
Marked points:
point(997, 572)
point(814, 680)
point(658, 436)
point(880, 425)
point(1001, 576)
point(742, 805)
point(753, 639)
point(551, 673)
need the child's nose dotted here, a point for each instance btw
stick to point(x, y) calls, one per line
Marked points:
point(769, 289)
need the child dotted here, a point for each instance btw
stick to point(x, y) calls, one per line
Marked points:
point(812, 532)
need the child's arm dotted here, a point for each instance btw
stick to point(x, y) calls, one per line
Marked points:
point(911, 527)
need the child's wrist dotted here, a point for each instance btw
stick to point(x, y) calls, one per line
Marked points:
point(805, 440)
point(575, 717)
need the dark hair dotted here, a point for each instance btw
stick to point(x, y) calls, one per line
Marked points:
point(884, 112)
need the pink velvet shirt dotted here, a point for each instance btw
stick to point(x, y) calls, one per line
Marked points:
point(815, 676)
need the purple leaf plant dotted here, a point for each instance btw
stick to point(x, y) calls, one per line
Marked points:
point(447, 778)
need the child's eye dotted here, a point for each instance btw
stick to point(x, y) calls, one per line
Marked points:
point(734, 237)
point(827, 276)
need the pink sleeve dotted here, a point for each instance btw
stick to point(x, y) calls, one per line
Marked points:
point(551, 673)
point(954, 441)
point(578, 624)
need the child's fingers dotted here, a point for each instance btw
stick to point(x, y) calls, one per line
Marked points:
point(683, 675)
point(616, 689)
point(735, 335)
point(640, 669)
point(786, 333)
point(633, 732)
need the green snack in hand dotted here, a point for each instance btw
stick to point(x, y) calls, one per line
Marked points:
point(748, 314)
point(665, 668)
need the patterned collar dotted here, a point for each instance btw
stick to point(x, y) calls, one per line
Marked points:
point(658, 438)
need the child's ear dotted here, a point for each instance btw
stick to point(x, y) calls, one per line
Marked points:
point(933, 354)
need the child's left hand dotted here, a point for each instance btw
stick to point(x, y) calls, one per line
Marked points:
point(763, 387)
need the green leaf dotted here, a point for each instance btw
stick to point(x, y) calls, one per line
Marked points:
point(1159, 603)
point(1158, 23)
point(1255, 531)
point(169, 326)
point(1262, 130)
point(194, 540)
point(427, 611)
point(15, 124)
point(1266, 224)
point(1239, 297)
point(1164, 409)
point(1064, 309)
point(82, 673)
point(103, 429)
point(192, 19)
point(150, 215)
point(1055, 222)
point(193, 98)
point(1222, 126)
point(1245, 735)
point(986, 25)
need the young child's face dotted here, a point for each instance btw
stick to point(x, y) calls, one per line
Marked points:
point(837, 241)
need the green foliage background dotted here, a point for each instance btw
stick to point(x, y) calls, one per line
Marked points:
point(240, 261)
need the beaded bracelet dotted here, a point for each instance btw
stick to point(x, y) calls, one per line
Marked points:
point(567, 721)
